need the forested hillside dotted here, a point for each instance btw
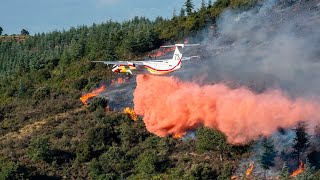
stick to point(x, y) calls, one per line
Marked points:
point(54, 65)
point(46, 132)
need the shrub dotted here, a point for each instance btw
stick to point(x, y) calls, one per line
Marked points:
point(80, 84)
point(39, 149)
point(146, 162)
point(209, 139)
point(201, 171)
point(10, 170)
point(41, 93)
point(84, 152)
point(98, 103)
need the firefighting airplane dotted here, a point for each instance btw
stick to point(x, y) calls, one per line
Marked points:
point(156, 67)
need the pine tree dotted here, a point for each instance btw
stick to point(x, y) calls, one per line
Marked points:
point(189, 6)
point(203, 4)
point(268, 155)
point(182, 12)
point(24, 32)
point(301, 141)
point(212, 140)
point(1, 30)
point(174, 14)
point(209, 4)
point(284, 174)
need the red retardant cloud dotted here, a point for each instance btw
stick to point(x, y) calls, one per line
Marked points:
point(170, 107)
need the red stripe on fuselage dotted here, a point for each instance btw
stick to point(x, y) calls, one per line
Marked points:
point(164, 69)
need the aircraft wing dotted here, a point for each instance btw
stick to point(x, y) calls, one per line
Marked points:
point(189, 58)
point(120, 62)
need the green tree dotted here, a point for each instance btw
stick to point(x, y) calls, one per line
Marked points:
point(182, 12)
point(189, 7)
point(84, 151)
point(284, 173)
point(201, 171)
point(301, 141)
point(76, 49)
point(209, 4)
point(268, 155)
point(98, 103)
point(211, 140)
point(110, 164)
point(41, 93)
point(39, 149)
point(243, 4)
point(174, 14)
point(226, 172)
point(1, 30)
point(203, 4)
point(24, 32)
point(9, 170)
point(146, 162)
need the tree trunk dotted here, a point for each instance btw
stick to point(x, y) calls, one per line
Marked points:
point(298, 158)
point(221, 158)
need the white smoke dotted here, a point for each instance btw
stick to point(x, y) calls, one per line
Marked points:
point(274, 45)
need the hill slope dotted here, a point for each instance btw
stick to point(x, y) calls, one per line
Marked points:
point(46, 132)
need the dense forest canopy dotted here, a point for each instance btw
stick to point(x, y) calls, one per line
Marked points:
point(55, 55)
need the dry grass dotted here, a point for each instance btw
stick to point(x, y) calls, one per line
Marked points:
point(16, 38)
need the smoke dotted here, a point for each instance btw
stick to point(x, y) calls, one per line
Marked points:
point(259, 72)
point(271, 46)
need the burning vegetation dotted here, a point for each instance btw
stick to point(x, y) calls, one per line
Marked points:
point(178, 136)
point(259, 77)
point(250, 169)
point(298, 171)
point(119, 81)
point(131, 113)
point(84, 98)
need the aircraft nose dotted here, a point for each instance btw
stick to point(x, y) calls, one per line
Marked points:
point(116, 69)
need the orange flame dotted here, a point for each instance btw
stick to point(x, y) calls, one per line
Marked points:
point(299, 170)
point(118, 81)
point(234, 178)
point(178, 136)
point(250, 169)
point(131, 113)
point(94, 93)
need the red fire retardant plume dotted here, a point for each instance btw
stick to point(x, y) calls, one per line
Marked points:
point(170, 107)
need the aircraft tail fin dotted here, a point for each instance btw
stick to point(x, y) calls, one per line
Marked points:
point(177, 56)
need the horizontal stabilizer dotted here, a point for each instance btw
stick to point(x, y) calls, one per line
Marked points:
point(180, 45)
point(189, 58)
